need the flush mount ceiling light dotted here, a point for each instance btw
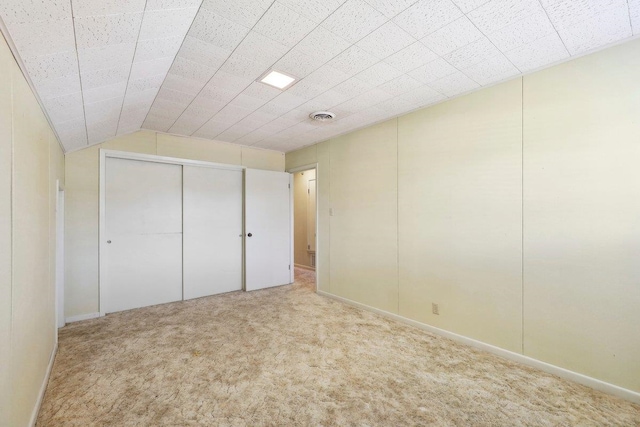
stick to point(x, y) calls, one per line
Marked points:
point(277, 79)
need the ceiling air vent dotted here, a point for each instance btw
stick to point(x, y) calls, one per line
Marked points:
point(322, 116)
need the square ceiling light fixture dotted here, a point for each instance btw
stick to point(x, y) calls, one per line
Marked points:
point(277, 79)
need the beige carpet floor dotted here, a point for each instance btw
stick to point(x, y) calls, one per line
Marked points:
point(288, 357)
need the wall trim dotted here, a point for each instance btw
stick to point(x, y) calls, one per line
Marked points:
point(594, 383)
point(43, 387)
point(304, 267)
point(81, 317)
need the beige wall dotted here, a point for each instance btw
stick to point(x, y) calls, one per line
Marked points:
point(514, 208)
point(31, 162)
point(301, 216)
point(82, 191)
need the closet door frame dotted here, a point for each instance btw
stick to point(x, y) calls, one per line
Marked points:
point(102, 245)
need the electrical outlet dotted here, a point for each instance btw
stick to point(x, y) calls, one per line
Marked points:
point(435, 309)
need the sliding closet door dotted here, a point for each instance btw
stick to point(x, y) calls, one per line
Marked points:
point(268, 228)
point(143, 214)
point(212, 231)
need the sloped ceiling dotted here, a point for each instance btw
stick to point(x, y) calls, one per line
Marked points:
point(189, 67)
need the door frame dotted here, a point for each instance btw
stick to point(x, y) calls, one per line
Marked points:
point(104, 154)
point(291, 171)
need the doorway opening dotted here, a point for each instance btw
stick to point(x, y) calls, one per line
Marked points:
point(305, 222)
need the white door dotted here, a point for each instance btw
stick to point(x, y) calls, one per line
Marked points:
point(212, 231)
point(267, 228)
point(143, 214)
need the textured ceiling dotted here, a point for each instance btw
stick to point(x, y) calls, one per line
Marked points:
point(108, 67)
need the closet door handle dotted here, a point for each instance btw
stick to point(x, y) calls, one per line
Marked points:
point(249, 235)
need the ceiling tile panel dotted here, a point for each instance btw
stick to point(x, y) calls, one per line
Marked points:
point(244, 67)
point(103, 111)
point(58, 87)
point(427, 16)
point(243, 12)
point(283, 25)
point(204, 53)
point(433, 71)
point(385, 41)
point(299, 64)
point(378, 74)
point(144, 97)
point(468, 5)
point(105, 77)
point(354, 87)
point(144, 69)
point(173, 81)
point(585, 25)
point(327, 77)
point(497, 14)
point(106, 7)
point(102, 93)
point(248, 102)
point(53, 66)
point(254, 137)
point(109, 56)
point(322, 44)
point(472, 54)
point(217, 30)
point(538, 53)
point(306, 89)
point(192, 70)
point(22, 11)
point(454, 84)
point(400, 85)
point(102, 131)
point(166, 23)
point(172, 4)
point(390, 8)
point(492, 70)
point(261, 48)
point(158, 48)
point(411, 57)
point(95, 31)
point(455, 35)
point(64, 108)
point(526, 30)
point(43, 37)
point(352, 61)
point(261, 91)
point(175, 96)
point(354, 20)
point(314, 10)
point(145, 84)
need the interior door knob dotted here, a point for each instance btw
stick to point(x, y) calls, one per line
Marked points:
point(109, 241)
point(249, 235)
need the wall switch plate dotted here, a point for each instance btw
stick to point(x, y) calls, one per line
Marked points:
point(435, 309)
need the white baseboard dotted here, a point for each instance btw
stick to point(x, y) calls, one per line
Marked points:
point(594, 383)
point(43, 387)
point(81, 317)
point(304, 267)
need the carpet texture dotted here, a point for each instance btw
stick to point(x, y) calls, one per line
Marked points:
point(288, 357)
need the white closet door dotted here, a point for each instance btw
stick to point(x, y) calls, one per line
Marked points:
point(143, 215)
point(268, 229)
point(212, 231)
